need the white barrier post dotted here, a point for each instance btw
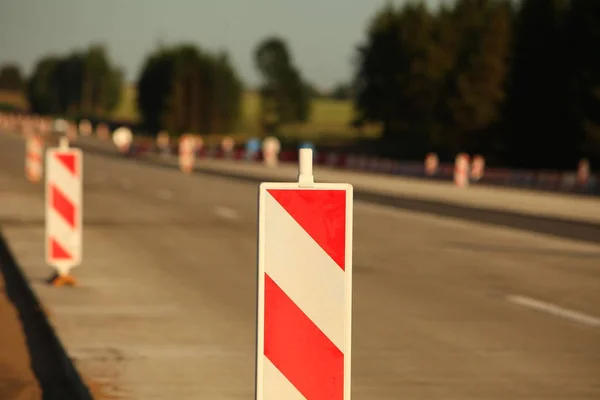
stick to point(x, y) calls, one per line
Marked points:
point(305, 288)
point(270, 148)
point(122, 138)
point(64, 218)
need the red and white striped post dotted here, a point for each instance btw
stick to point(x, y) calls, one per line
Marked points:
point(34, 157)
point(305, 288)
point(461, 170)
point(477, 168)
point(187, 153)
point(64, 218)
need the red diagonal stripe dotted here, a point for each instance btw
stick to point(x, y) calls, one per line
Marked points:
point(299, 349)
point(322, 214)
point(68, 161)
point(57, 252)
point(62, 205)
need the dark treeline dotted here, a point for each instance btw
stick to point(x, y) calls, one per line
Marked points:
point(516, 81)
point(11, 78)
point(79, 84)
point(182, 89)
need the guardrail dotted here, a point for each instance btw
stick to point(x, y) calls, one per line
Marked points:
point(557, 181)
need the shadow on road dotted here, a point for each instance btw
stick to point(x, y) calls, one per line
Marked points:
point(53, 369)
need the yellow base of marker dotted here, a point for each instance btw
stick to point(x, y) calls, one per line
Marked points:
point(62, 280)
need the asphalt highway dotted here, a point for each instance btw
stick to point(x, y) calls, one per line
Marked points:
point(570, 222)
point(443, 307)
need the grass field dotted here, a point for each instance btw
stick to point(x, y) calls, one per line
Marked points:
point(13, 99)
point(329, 119)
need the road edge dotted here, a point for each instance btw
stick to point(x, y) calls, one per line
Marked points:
point(65, 382)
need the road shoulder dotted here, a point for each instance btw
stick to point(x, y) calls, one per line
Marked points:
point(33, 362)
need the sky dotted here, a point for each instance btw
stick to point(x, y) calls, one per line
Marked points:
point(321, 34)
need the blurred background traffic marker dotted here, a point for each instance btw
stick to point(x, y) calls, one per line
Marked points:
point(431, 164)
point(583, 173)
point(122, 138)
point(187, 153)
point(72, 131)
point(461, 170)
point(34, 158)
point(163, 142)
point(305, 288)
point(252, 148)
point(102, 131)
point(63, 211)
point(227, 145)
point(85, 128)
point(477, 168)
point(270, 148)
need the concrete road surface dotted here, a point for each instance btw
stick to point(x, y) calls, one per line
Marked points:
point(444, 308)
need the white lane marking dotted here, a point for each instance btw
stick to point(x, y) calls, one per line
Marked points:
point(554, 310)
point(125, 183)
point(130, 311)
point(226, 212)
point(164, 194)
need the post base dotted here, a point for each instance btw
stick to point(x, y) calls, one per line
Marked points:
point(59, 280)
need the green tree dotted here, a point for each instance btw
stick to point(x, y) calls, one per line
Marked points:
point(68, 78)
point(227, 91)
point(81, 83)
point(400, 71)
point(474, 89)
point(285, 97)
point(154, 88)
point(582, 37)
point(100, 80)
point(183, 89)
point(11, 78)
point(43, 91)
point(114, 86)
point(539, 133)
